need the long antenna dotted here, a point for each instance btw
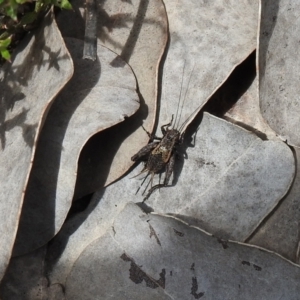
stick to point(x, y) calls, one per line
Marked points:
point(186, 91)
point(190, 117)
point(179, 94)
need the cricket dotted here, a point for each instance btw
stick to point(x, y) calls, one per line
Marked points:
point(160, 153)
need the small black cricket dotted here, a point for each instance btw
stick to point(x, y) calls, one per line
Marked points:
point(160, 153)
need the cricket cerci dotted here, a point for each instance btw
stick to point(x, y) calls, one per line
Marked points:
point(160, 153)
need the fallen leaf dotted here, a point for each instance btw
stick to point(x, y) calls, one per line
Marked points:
point(155, 257)
point(40, 67)
point(279, 67)
point(100, 95)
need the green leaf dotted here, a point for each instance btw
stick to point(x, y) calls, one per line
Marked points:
point(21, 1)
point(5, 54)
point(65, 4)
point(38, 6)
point(11, 12)
point(1, 1)
point(5, 43)
point(4, 35)
point(54, 2)
point(28, 18)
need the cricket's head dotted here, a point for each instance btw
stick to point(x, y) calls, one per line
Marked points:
point(173, 134)
point(171, 137)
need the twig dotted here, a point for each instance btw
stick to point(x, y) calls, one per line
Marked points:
point(90, 38)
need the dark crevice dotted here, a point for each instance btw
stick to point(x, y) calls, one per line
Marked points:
point(234, 87)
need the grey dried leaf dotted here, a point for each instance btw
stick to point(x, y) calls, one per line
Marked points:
point(41, 67)
point(99, 96)
point(128, 263)
point(279, 64)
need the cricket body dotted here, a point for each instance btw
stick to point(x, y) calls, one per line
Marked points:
point(160, 153)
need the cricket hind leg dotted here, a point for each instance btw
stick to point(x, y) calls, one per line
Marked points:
point(144, 151)
point(155, 187)
point(142, 182)
point(143, 171)
point(150, 181)
point(169, 171)
point(144, 179)
point(170, 168)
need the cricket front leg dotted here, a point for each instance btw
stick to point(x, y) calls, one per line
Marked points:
point(144, 151)
point(151, 136)
point(163, 127)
